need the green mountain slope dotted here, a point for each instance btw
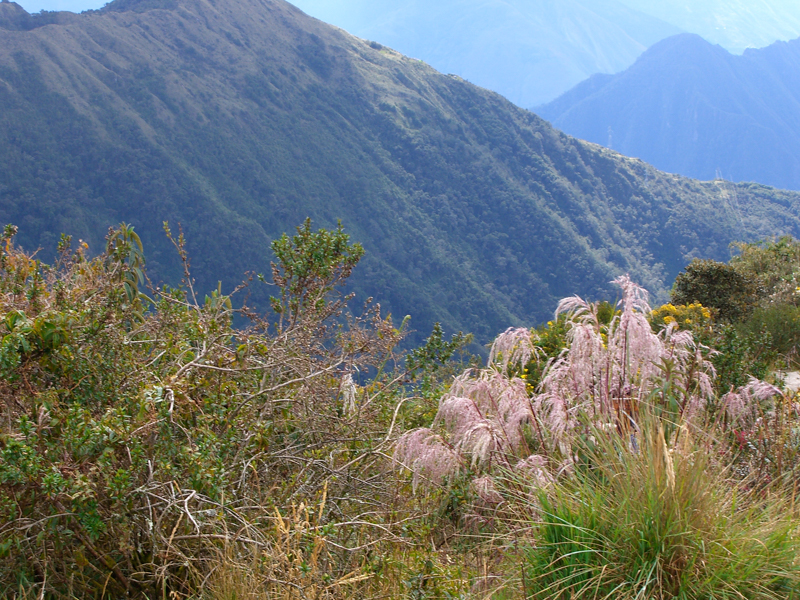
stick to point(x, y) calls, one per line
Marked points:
point(240, 119)
point(530, 51)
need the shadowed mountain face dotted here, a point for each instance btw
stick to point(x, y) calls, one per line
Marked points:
point(239, 119)
point(530, 51)
point(692, 108)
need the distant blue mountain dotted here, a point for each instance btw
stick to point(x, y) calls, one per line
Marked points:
point(690, 107)
point(530, 51)
point(733, 24)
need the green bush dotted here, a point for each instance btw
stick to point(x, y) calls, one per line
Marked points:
point(142, 437)
point(781, 322)
point(741, 355)
point(718, 286)
point(774, 263)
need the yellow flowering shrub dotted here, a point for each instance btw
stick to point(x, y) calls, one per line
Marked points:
point(694, 317)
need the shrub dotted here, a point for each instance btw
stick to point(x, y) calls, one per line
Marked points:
point(142, 436)
point(740, 355)
point(719, 286)
point(774, 264)
point(780, 323)
point(687, 317)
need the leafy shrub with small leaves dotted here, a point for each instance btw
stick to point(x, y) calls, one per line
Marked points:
point(780, 323)
point(740, 355)
point(143, 435)
point(731, 293)
point(775, 264)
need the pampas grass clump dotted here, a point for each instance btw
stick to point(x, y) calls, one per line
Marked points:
point(652, 523)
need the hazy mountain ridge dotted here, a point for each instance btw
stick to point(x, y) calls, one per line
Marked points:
point(528, 51)
point(734, 24)
point(15, 18)
point(689, 107)
point(240, 119)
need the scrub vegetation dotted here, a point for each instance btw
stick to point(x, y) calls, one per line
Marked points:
point(158, 443)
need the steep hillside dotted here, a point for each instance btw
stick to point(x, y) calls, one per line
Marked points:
point(240, 119)
point(733, 24)
point(530, 51)
point(692, 108)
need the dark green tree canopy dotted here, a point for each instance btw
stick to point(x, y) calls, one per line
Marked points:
point(718, 286)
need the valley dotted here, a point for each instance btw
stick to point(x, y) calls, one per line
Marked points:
point(239, 121)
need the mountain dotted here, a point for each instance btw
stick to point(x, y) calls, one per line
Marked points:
point(239, 119)
point(689, 107)
point(530, 51)
point(733, 24)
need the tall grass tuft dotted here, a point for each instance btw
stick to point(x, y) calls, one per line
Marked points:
point(649, 523)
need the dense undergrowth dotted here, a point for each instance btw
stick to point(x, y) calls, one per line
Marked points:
point(151, 449)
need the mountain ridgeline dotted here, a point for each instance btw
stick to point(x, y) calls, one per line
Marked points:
point(530, 51)
point(733, 24)
point(239, 119)
point(690, 107)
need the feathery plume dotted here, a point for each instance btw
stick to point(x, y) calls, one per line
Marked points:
point(484, 414)
point(743, 403)
point(427, 456)
point(485, 490)
point(578, 309)
point(535, 468)
point(349, 395)
point(515, 346)
point(608, 371)
point(603, 377)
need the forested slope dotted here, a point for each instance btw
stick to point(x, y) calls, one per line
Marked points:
point(240, 119)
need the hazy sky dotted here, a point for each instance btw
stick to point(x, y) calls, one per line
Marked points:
point(735, 24)
point(33, 6)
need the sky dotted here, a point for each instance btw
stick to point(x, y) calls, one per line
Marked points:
point(33, 6)
point(734, 24)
